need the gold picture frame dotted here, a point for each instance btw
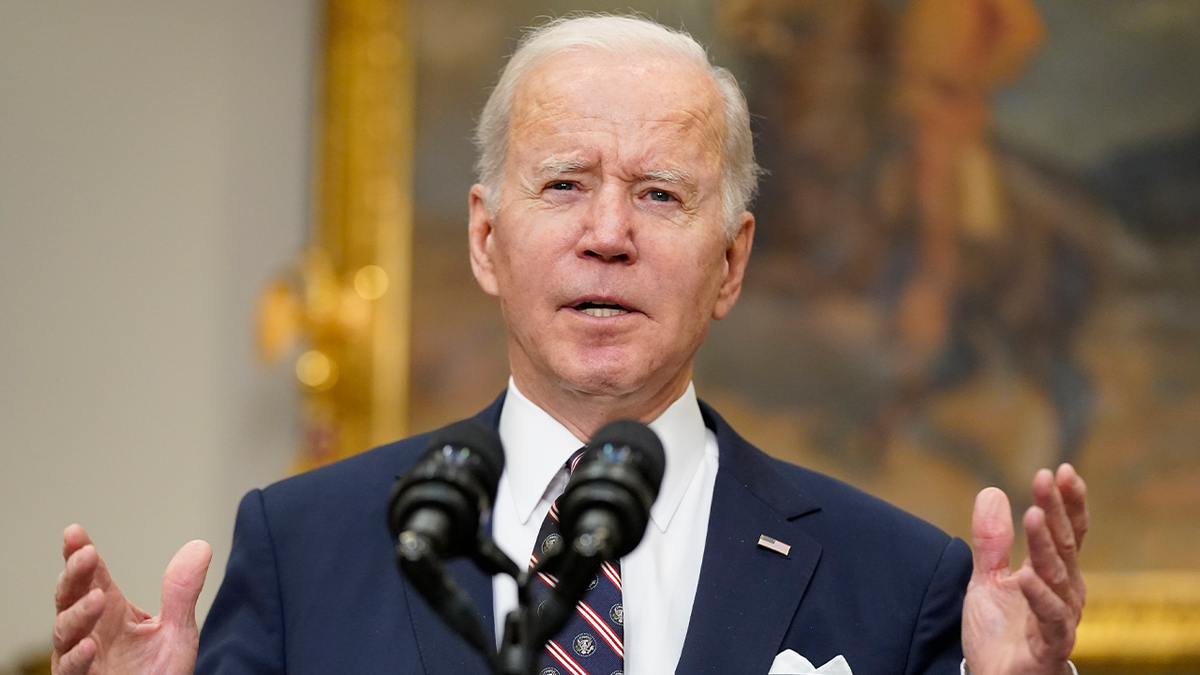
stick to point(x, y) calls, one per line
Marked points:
point(1140, 622)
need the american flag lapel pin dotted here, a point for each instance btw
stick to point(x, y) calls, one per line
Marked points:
point(774, 544)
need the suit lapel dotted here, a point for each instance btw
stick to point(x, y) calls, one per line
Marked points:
point(747, 594)
point(442, 651)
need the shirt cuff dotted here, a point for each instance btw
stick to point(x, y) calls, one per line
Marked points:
point(962, 668)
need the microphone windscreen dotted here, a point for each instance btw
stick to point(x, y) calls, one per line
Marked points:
point(483, 442)
point(650, 459)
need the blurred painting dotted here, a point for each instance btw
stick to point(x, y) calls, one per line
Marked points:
point(977, 254)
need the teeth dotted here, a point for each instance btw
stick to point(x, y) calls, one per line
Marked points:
point(604, 311)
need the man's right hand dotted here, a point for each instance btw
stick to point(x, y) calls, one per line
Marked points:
point(99, 631)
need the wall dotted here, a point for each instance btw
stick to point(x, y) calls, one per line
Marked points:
point(154, 166)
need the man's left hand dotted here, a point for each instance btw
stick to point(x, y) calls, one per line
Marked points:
point(1024, 622)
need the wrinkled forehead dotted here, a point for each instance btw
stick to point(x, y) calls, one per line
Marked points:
point(631, 92)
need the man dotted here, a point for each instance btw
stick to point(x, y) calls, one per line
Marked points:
point(611, 222)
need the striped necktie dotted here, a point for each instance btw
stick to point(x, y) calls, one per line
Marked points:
point(593, 641)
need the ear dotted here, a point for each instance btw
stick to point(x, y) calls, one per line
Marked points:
point(479, 235)
point(737, 255)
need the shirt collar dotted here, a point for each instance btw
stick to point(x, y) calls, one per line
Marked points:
point(537, 446)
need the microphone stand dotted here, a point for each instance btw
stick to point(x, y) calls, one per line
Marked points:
point(416, 560)
point(526, 628)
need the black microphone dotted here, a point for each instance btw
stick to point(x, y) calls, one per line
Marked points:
point(606, 505)
point(440, 499)
point(603, 514)
point(434, 514)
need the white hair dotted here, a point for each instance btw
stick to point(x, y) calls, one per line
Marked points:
point(620, 35)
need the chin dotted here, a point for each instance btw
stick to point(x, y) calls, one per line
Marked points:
point(602, 377)
point(602, 383)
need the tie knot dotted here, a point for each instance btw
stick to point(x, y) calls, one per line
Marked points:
point(574, 459)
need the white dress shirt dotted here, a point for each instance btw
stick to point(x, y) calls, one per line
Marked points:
point(659, 577)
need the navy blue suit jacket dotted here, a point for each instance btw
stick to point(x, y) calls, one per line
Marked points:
point(311, 586)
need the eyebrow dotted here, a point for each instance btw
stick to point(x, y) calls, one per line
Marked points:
point(669, 175)
point(560, 165)
point(564, 165)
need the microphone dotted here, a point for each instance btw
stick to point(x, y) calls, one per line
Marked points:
point(438, 502)
point(602, 514)
point(434, 513)
point(606, 505)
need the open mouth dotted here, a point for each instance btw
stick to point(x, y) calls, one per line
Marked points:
point(601, 309)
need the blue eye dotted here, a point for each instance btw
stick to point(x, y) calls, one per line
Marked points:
point(562, 185)
point(659, 196)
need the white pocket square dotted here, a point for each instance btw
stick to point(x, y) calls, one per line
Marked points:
point(789, 662)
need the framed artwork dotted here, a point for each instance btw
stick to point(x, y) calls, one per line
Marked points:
point(977, 254)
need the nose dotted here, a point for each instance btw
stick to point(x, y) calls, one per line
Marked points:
point(608, 228)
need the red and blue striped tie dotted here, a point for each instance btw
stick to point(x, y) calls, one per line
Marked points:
point(593, 641)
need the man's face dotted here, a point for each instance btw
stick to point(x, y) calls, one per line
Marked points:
point(607, 249)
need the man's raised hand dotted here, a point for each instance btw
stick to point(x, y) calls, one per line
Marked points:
point(1024, 622)
point(98, 630)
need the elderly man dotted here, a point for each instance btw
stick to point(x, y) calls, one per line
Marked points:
point(611, 222)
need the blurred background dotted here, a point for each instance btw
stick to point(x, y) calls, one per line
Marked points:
point(978, 253)
point(155, 162)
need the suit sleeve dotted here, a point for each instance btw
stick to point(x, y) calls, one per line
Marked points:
point(937, 636)
point(244, 630)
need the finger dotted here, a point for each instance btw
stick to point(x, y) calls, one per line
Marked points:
point(77, 621)
point(74, 538)
point(78, 660)
point(1074, 495)
point(76, 578)
point(182, 583)
point(1049, 499)
point(1056, 623)
point(992, 531)
point(1044, 554)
